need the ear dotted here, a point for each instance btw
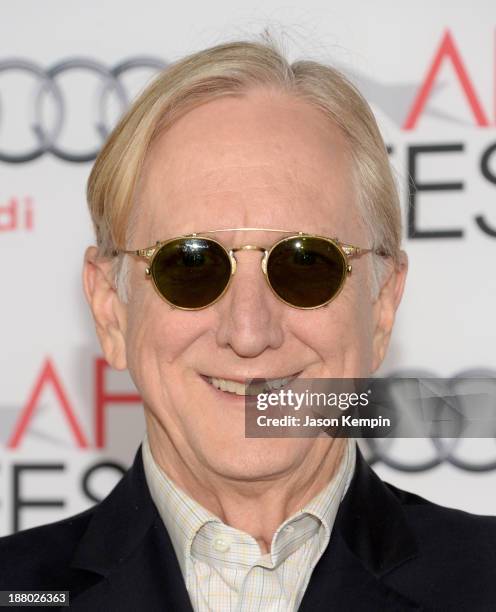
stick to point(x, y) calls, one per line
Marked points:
point(386, 306)
point(109, 313)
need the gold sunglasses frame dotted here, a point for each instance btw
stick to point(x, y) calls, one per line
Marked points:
point(347, 252)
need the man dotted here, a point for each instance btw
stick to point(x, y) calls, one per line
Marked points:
point(216, 203)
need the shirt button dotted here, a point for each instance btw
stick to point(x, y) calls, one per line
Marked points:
point(221, 545)
point(289, 529)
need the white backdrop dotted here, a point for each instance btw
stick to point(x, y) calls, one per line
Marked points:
point(429, 71)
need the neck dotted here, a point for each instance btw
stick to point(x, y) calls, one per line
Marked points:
point(254, 506)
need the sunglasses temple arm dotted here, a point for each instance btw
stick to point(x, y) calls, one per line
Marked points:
point(146, 253)
point(353, 252)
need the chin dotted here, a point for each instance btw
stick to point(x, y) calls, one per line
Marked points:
point(257, 458)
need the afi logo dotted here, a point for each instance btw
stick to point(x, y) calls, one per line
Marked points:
point(447, 52)
point(49, 377)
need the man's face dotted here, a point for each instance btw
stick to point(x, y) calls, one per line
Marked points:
point(268, 161)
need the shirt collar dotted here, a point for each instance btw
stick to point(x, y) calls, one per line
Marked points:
point(183, 517)
point(323, 508)
point(181, 514)
point(325, 504)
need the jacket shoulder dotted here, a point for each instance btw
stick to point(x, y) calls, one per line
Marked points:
point(426, 516)
point(456, 550)
point(40, 557)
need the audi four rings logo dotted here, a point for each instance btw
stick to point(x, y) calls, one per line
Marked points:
point(432, 452)
point(438, 451)
point(46, 131)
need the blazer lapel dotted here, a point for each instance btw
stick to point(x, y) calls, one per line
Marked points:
point(370, 538)
point(127, 544)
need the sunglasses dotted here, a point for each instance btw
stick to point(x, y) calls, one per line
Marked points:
point(303, 270)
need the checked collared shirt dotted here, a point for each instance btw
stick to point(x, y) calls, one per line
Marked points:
point(223, 567)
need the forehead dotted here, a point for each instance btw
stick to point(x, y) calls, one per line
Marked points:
point(261, 160)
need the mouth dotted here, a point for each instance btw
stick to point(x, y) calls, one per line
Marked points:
point(263, 385)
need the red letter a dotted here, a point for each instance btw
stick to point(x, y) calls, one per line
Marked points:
point(47, 375)
point(446, 49)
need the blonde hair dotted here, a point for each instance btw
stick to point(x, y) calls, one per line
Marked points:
point(233, 69)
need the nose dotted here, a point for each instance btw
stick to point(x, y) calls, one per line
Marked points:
point(250, 316)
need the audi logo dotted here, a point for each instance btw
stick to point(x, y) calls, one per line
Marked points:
point(48, 105)
point(462, 452)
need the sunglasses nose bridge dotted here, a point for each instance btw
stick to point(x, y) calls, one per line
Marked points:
point(248, 247)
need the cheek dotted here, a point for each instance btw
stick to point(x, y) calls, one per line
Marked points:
point(358, 331)
point(341, 334)
point(159, 337)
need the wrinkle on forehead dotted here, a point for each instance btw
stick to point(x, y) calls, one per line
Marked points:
point(247, 171)
point(245, 181)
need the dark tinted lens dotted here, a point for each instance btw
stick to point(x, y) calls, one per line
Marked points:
point(305, 271)
point(191, 272)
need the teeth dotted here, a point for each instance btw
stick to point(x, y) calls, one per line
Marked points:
point(254, 389)
point(228, 385)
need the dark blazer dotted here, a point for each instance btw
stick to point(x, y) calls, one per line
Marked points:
point(390, 551)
